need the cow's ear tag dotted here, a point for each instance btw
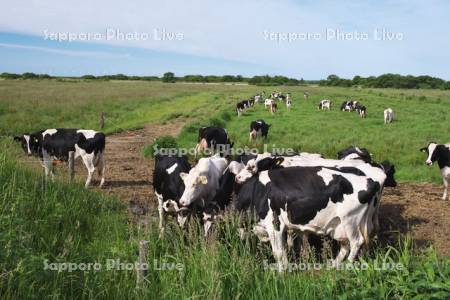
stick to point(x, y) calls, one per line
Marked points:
point(202, 179)
point(279, 161)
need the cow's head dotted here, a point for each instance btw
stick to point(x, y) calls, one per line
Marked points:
point(355, 153)
point(389, 170)
point(257, 165)
point(432, 154)
point(194, 187)
point(30, 143)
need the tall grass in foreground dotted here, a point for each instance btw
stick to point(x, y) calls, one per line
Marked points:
point(56, 223)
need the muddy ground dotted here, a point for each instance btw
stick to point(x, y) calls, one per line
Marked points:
point(410, 207)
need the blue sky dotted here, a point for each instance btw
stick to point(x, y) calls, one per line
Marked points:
point(227, 37)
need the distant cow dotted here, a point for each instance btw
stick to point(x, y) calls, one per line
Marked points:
point(441, 154)
point(273, 108)
point(67, 145)
point(288, 104)
point(347, 105)
point(213, 139)
point(169, 187)
point(360, 109)
point(259, 128)
point(268, 103)
point(324, 104)
point(240, 107)
point(388, 115)
point(305, 95)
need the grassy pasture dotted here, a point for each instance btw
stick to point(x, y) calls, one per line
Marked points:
point(66, 223)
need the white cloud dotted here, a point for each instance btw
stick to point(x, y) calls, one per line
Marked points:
point(233, 30)
point(67, 52)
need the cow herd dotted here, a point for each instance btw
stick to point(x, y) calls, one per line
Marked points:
point(301, 192)
point(270, 103)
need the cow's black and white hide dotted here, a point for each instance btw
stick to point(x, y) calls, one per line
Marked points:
point(319, 200)
point(360, 109)
point(258, 128)
point(354, 152)
point(169, 187)
point(347, 105)
point(324, 104)
point(441, 154)
point(214, 139)
point(63, 144)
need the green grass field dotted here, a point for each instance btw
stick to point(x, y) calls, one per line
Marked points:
point(66, 223)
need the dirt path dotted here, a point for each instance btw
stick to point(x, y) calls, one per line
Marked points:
point(128, 173)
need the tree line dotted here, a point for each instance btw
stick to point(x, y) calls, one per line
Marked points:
point(382, 81)
point(389, 80)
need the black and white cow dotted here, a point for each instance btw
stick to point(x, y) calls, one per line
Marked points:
point(168, 187)
point(240, 107)
point(288, 103)
point(202, 184)
point(273, 108)
point(360, 109)
point(214, 139)
point(268, 103)
point(347, 105)
point(353, 158)
point(441, 154)
point(340, 202)
point(67, 145)
point(355, 153)
point(324, 104)
point(259, 128)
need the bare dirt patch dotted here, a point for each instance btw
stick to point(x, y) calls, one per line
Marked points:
point(416, 208)
point(129, 173)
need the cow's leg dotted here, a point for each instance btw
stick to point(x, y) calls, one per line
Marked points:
point(275, 234)
point(445, 179)
point(207, 222)
point(88, 160)
point(343, 251)
point(356, 240)
point(48, 165)
point(101, 168)
point(290, 240)
point(71, 165)
point(162, 215)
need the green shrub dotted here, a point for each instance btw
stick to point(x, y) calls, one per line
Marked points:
point(163, 142)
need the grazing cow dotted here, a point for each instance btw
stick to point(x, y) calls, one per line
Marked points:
point(67, 145)
point(273, 108)
point(240, 107)
point(305, 95)
point(258, 98)
point(288, 104)
point(202, 184)
point(324, 104)
point(347, 105)
point(214, 139)
point(360, 109)
point(268, 103)
point(388, 115)
point(169, 187)
point(259, 128)
point(339, 202)
point(353, 158)
point(441, 154)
